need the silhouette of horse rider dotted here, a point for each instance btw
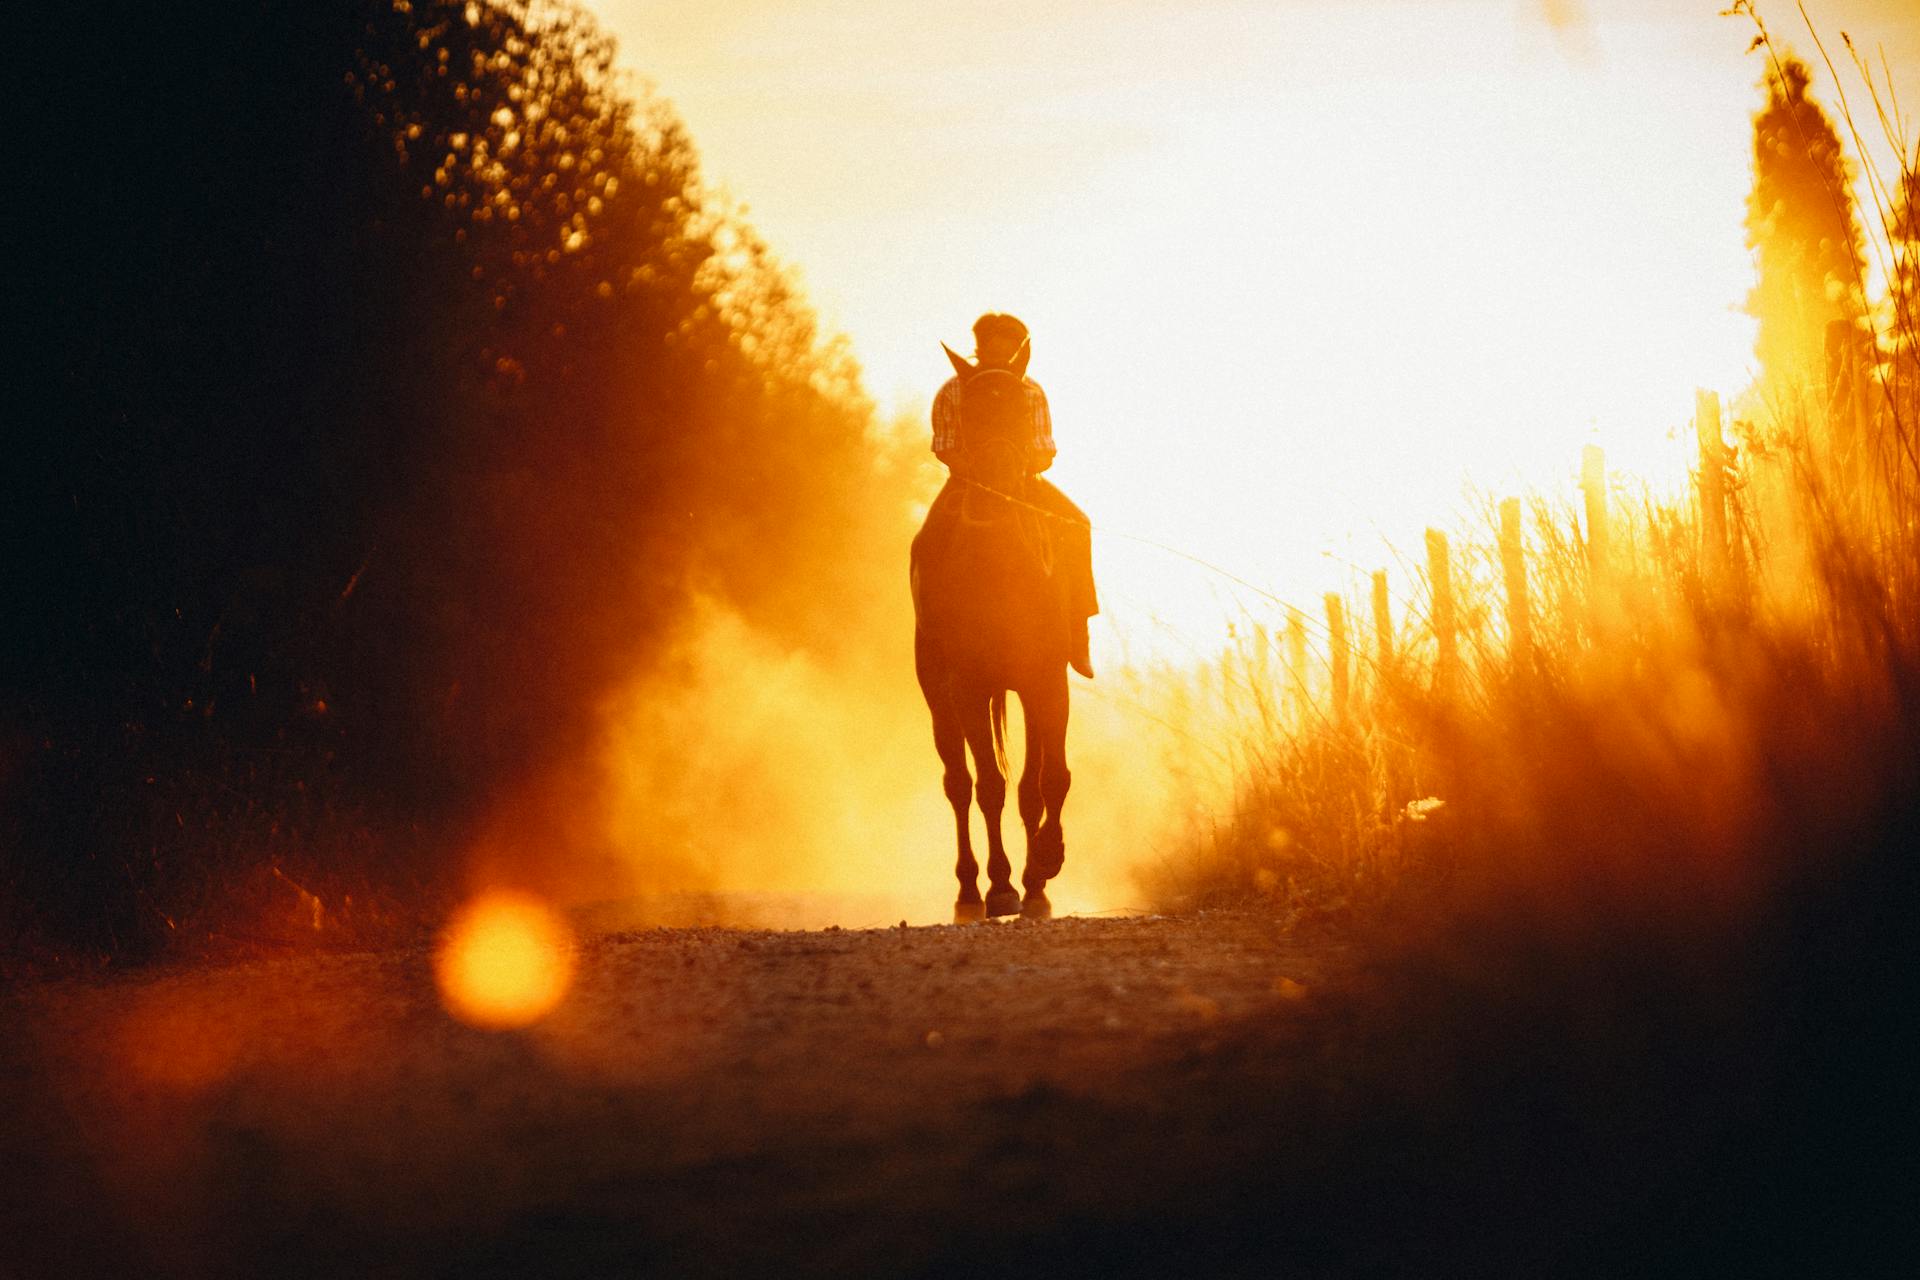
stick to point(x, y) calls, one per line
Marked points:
point(1002, 587)
point(998, 341)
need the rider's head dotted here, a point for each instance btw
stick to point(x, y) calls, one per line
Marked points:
point(997, 339)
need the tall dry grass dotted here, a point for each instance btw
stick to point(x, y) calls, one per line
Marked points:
point(1671, 678)
point(1639, 901)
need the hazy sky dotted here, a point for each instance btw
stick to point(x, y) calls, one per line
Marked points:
point(1291, 267)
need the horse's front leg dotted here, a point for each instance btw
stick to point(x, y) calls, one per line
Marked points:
point(949, 739)
point(1046, 711)
point(1032, 803)
point(967, 908)
point(990, 792)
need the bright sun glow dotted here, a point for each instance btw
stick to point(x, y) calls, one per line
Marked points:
point(505, 961)
point(1297, 273)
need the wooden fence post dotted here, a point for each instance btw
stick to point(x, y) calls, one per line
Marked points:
point(1713, 484)
point(1382, 622)
point(1394, 794)
point(1593, 484)
point(1513, 563)
point(1446, 667)
point(1603, 599)
point(1338, 656)
point(1297, 663)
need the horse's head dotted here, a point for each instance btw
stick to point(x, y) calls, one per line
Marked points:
point(996, 424)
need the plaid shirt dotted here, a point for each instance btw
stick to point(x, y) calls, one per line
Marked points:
point(946, 418)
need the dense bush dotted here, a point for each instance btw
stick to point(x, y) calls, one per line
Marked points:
point(395, 383)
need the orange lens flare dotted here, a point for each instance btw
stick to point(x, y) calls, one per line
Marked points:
point(504, 962)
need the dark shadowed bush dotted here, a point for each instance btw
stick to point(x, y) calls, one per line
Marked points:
point(395, 383)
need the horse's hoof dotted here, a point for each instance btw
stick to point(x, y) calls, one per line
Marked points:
point(1036, 906)
point(1047, 853)
point(969, 912)
point(1003, 902)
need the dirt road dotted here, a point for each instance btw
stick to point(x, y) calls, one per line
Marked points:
point(705, 1102)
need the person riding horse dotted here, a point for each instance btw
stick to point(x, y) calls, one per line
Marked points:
point(999, 342)
point(1002, 581)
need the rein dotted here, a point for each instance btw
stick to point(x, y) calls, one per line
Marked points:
point(1029, 532)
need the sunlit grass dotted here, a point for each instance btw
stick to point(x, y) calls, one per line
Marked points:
point(1695, 720)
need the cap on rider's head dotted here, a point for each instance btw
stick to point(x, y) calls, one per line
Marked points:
point(996, 324)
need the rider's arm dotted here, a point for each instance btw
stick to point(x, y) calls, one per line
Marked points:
point(946, 423)
point(1040, 455)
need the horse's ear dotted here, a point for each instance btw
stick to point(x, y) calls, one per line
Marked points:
point(961, 365)
point(1020, 358)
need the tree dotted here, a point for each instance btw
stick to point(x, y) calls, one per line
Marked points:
point(398, 388)
point(1805, 236)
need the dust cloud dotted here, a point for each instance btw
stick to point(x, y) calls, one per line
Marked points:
point(751, 782)
point(756, 774)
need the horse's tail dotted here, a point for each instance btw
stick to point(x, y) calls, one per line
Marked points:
point(997, 713)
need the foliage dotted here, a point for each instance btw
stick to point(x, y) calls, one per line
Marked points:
point(399, 384)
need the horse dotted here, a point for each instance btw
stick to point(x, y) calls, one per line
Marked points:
point(989, 620)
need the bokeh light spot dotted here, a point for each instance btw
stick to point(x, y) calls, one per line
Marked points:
point(505, 961)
